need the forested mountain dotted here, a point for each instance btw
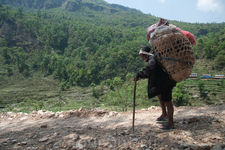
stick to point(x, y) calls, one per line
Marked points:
point(70, 5)
point(81, 42)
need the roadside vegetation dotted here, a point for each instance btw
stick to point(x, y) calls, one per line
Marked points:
point(114, 95)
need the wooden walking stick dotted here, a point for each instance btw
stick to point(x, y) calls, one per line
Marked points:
point(134, 103)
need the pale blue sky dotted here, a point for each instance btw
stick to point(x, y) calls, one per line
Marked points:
point(201, 11)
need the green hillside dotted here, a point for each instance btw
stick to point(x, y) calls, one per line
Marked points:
point(78, 43)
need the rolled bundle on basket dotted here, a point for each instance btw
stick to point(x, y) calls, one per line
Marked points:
point(176, 55)
point(162, 32)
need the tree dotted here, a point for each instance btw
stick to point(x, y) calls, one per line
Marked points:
point(3, 42)
point(101, 88)
point(103, 47)
point(201, 86)
point(35, 64)
point(95, 91)
point(220, 60)
point(21, 60)
point(9, 69)
point(62, 85)
point(45, 15)
point(222, 82)
point(208, 51)
point(122, 96)
point(82, 54)
point(60, 71)
point(20, 11)
point(45, 63)
point(39, 14)
point(5, 54)
point(109, 82)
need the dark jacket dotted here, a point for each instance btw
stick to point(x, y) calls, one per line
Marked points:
point(157, 78)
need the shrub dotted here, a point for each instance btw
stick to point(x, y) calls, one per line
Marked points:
point(9, 69)
point(181, 98)
point(64, 85)
point(222, 82)
point(120, 97)
point(201, 86)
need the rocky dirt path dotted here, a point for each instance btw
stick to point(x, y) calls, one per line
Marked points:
point(197, 128)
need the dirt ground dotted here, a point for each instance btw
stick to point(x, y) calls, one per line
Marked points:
point(197, 128)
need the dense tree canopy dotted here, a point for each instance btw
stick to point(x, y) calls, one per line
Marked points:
point(89, 46)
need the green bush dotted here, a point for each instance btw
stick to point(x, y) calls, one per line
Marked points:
point(181, 98)
point(121, 97)
point(9, 69)
point(64, 85)
point(222, 82)
point(201, 86)
point(95, 91)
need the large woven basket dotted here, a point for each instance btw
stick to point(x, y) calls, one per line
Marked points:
point(176, 55)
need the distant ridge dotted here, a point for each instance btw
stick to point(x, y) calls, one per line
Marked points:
point(70, 5)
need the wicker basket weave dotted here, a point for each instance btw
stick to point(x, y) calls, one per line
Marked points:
point(176, 55)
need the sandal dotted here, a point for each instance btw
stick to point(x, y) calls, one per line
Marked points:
point(165, 127)
point(161, 119)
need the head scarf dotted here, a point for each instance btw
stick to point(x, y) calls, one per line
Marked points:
point(146, 53)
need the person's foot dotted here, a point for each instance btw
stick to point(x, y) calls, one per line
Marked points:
point(162, 118)
point(165, 127)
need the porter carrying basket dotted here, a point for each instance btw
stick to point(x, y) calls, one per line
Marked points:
point(176, 55)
